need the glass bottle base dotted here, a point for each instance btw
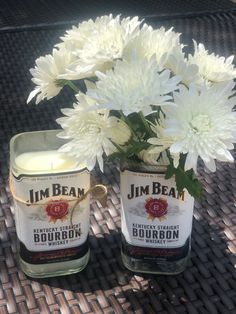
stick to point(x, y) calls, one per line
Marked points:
point(161, 268)
point(154, 260)
point(54, 269)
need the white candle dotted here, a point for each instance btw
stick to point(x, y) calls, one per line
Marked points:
point(44, 182)
point(46, 161)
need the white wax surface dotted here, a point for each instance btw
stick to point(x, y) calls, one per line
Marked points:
point(46, 161)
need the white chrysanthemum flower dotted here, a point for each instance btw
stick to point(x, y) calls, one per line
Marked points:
point(99, 44)
point(77, 35)
point(212, 67)
point(202, 124)
point(46, 73)
point(119, 132)
point(159, 42)
point(189, 73)
point(134, 86)
point(90, 133)
point(155, 159)
point(149, 157)
point(160, 142)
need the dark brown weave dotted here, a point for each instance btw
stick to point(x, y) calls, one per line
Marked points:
point(29, 13)
point(208, 286)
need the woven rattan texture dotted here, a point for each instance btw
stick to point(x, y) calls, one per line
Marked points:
point(208, 286)
point(33, 12)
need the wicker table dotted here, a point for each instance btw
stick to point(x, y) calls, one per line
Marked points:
point(209, 283)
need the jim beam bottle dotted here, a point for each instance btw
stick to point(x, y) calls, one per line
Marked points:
point(45, 185)
point(156, 220)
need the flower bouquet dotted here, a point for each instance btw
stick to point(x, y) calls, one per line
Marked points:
point(139, 97)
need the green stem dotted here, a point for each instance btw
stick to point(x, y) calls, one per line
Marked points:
point(92, 79)
point(72, 86)
point(118, 148)
point(149, 131)
point(169, 156)
point(126, 120)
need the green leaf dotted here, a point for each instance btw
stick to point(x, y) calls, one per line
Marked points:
point(170, 171)
point(135, 148)
point(116, 155)
point(139, 125)
point(129, 151)
point(185, 179)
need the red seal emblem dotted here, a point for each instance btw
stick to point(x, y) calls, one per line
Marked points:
point(58, 209)
point(156, 208)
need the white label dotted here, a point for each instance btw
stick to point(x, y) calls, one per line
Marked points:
point(154, 214)
point(44, 223)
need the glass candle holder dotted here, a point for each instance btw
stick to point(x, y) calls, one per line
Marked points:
point(46, 185)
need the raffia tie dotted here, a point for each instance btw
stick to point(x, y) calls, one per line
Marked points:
point(98, 191)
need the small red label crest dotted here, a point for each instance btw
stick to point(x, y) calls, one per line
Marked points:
point(156, 208)
point(58, 209)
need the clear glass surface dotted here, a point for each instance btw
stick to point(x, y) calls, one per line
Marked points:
point(158, 264)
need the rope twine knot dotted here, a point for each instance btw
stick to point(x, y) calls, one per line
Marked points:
point(98, 191)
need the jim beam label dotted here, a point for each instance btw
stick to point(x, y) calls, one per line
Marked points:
point(43, 225)
point(154, 214)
